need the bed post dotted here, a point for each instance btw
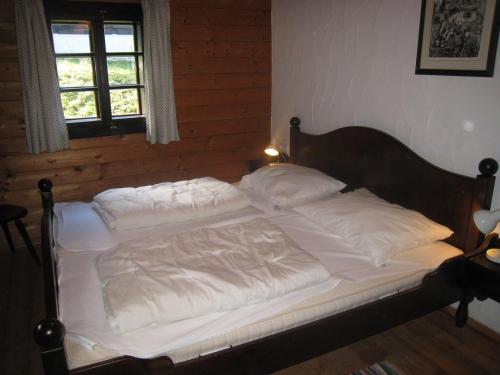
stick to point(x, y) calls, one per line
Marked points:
point(294, 137)
point(482, 195)
point(49, 332)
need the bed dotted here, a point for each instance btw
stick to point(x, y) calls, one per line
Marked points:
point(361, 157)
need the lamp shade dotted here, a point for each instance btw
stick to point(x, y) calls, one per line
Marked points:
point(486, 220)
point(272, 150)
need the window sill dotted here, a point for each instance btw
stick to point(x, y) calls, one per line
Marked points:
point(121, 125)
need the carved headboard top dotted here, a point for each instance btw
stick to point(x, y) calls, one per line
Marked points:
point(366, 157)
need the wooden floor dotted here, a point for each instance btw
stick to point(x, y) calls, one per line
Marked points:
point(430, 345)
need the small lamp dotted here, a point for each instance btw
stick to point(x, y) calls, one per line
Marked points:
point(274, 151)
point(486, 221)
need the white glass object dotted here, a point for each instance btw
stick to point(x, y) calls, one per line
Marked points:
point(486, 220)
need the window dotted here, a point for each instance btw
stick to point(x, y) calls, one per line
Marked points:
point(99, 58)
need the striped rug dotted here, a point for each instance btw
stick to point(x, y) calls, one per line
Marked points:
point(381, 368)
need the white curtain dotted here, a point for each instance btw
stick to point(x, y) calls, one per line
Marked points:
point(43, 113)
point(159, 100)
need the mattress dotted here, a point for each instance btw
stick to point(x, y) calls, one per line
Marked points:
point(361, 283)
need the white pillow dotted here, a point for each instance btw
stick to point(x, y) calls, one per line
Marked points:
point(167, 203)
point(376, 227)
point(287, 185)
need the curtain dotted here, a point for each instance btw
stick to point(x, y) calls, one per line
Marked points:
point(159, 100)
point(43, 113)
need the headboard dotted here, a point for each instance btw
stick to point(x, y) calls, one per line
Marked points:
point(366, 157)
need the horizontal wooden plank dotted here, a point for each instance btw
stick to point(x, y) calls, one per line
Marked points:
point(49, 160)
point(216, 97)
point(220, 33)
point(7, 34)
point(221, 81)
point(71, 158)
point(242, 49)
point(87, 189)
point(34, 214)
point(219, 157)
point(8, 12)
point(100, 155)
point(13, 146)
point(221, 65)
point(223, 112)
point(217, 16)
point(11, 91)
point(12, 122)
point(11, 127)
point(179, 163)
point(199, 129)
point(140, 166)
point(59, 176)
point(226, 4)
point(10, 109)
point(183, 49)
point(9, 133)
point(9, 72)
point(113, 140)
point(232, 141)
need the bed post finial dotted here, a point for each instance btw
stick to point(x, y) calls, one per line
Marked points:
point(45, 185)
point(295, 122)
point(49, 335)
point(294, 138)
point(488, 167)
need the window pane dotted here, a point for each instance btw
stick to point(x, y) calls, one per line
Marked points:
point(122, 70)
point(124, 102)
point(119, 38)
point(75, 71)
point(141, 69)
point(71, 37)
point(79, 104)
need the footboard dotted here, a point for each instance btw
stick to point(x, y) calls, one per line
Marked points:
point(49, 333)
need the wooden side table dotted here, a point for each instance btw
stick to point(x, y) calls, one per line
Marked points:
point(483, 276)
point(9, 213)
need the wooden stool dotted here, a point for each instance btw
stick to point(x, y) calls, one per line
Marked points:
point(16, 213)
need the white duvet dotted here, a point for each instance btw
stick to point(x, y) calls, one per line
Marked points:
point(168, 202)
point(167, 279)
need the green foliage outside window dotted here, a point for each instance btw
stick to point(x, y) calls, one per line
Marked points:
point(77, 72)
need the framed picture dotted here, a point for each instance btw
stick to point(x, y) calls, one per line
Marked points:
point(458, 37)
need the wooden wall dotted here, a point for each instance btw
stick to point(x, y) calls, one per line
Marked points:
point(221, 53)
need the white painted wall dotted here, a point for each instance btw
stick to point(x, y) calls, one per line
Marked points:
point(352, 62)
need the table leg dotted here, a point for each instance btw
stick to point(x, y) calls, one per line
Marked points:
point(6, 231)
point(27, 241)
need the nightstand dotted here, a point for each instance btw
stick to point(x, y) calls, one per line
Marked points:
point(483, 276)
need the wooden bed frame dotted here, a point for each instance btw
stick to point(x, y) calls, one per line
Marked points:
point(358, 156)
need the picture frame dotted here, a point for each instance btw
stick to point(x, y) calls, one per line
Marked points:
point(458, 37)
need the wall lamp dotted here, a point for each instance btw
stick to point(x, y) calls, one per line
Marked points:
point(274, 151)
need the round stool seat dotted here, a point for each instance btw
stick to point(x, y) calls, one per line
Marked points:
point(9, 212)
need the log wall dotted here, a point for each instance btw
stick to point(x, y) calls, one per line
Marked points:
point(221, 52)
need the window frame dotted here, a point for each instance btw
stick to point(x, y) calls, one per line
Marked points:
point(98, 14)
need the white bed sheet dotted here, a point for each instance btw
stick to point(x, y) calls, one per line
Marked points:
point(345, 296)
point(90, 340)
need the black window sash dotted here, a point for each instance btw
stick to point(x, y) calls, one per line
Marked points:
point(97, 14)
